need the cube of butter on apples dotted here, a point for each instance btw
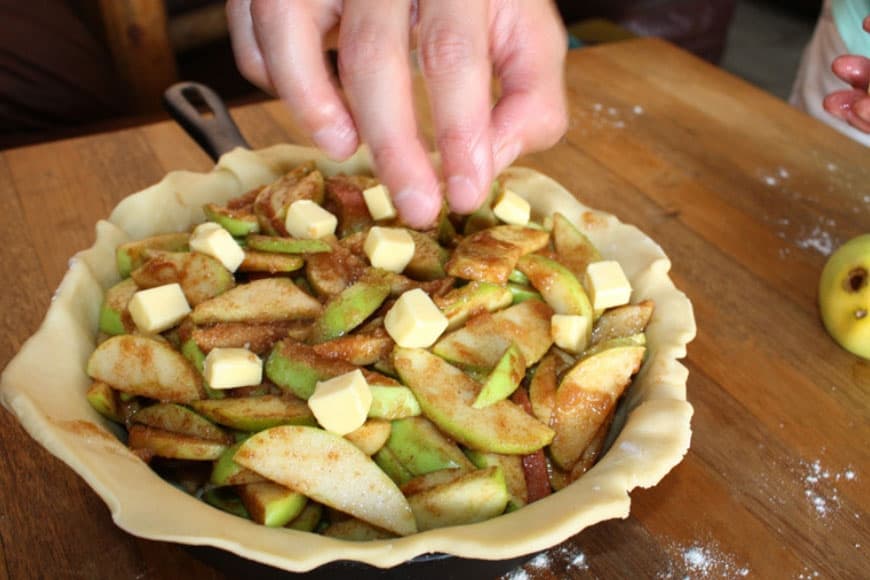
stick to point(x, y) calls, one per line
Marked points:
point(211, 239)
point(389, 248)
point(512, 209)
point(307, 220)
point(157, 309)
point(380, 204)
point(414, 321)
point(229, 368)
point(570, 331)
point(607, 284)
point(341, 403)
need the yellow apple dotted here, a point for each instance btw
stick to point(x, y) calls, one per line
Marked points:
point(844, 295)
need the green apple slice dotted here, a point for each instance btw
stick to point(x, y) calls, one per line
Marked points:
point(484, 338)
point(106, 401)
point(330, 470)
point(371, 436)
point(272, 202)
point(343, 197)
point(585, 397)
point(560, 288)
point(360, 348)
point(504, 378)
point(351, 307)
point(271, 504)
point(445, 394)
point(131, 255)
point(475, 497)
point(420, 447)
point(308, 520)
point(179, 419)
point(201, 277)
point(622, 321)
point(239, 222)
point(542, 388)
point(460, 304)
point(297, 367)
point(114, 316)
point(428, 260)
point(225, 499)
point(393, 402)
point(144, 366)
point(173, 445)
point(573, 248)
point(270, 262)
point(514, 474)
point(490, 255)
point(282, 245)
point(260, 301)
point(227, 472)
point(255, 413)
point(354, 530)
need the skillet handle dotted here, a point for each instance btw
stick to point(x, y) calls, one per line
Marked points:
point(216, 133)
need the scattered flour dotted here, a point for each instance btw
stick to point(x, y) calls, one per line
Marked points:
point(567, 556)
point(783, 172)
point(817, 239)
point(770, 180)
point(819, 489)
point(832, 167)
point(705, 560)
point(637, 110)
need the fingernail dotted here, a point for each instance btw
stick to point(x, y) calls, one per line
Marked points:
point(417, 208)
point(463, 194)
point(338, 140)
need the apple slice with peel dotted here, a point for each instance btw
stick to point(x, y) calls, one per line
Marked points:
point(227, 472)
point(586, 396)
point(144, 366)
point(173, 445)
point(446, 394)
point(179, 419)
point(201, 277)
point(485, 337)
point(622, 321)
point(260, 301)
point(271, 504)
point(331, 470)
point(371, 436)
point(255, 413)
point(474, 497)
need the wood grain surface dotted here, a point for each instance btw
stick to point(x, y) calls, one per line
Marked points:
point(745, 194)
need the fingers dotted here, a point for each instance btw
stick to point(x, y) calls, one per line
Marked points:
point(249, 59)
point(853, 69)
point(373, 64)
point(531, 114)
point(454, 55)
point(852, 106)
point(289, 34)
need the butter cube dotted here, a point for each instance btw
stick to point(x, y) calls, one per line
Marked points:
point(307, 220)
point(607, 284)
point(414, 321)
point(512, 209)
point(570, 331)
point(389, 248)
point(213, 240)
point(380, 204)
point(157, 309)
point(341, 403)
point(228, 368)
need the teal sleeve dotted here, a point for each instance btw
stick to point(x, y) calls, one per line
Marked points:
point(848, 16)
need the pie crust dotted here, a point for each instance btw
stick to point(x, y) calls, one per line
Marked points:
point(650, 436)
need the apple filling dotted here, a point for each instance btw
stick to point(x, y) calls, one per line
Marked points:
point(359, 379)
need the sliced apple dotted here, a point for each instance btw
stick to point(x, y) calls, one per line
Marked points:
point(238, 222)
point(354, 530)
point(257, 337)
point(420, 447)
point(514, 475)
point(475, 497)
point(445, 394)
point(428, 260)
point(330, 470)
point(462, 303)
point(179, 419)
point(144, 366)
point(490, 255)
point(371, 436)
point(114, 316)
point(272, 201)
point(392, 402)
point(201, 277)
point(227, 472)
point(484, 338)
point(573, 248)
point(260, 301)
point(359, 348)
point(131, 255)
point(271, 504)
point(622, 321)
point(282, 245)
point(173, 445)
point(542, 388)
point(560, 288)
point(351, 307)
point(504, 378)
point(225, 499)
point(297, 367)
point(270, 262)
point(586, 396)
point(255, 413)
point(309, 519)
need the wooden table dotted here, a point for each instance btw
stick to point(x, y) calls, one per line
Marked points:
point(745, 194)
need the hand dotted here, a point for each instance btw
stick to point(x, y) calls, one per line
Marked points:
point(279, 46)
point(852, 105)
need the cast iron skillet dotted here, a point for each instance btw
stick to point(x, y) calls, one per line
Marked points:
point(217, 133)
